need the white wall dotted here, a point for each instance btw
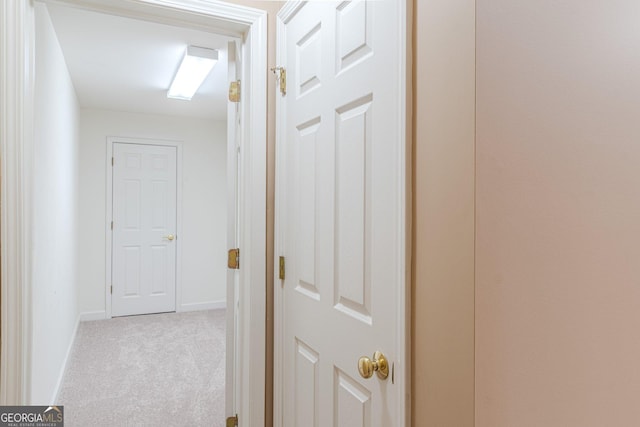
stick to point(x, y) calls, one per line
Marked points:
point(203, 210)
point(55, 308)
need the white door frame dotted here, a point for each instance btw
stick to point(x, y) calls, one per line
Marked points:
point(402, 370)
point(234, 61)
point(109, 215)
point(17, 35)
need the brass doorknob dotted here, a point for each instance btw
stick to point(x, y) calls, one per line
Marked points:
point(379, 364)
point(170, 237)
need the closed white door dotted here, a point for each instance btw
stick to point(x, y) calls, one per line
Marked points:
point(144, 229)
point(342, 218)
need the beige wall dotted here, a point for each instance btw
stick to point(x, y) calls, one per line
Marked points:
point(443, 262)
point(558, 213)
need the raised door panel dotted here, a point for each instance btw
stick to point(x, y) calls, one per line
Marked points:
point(353, 206)
point(307, 393)
point(307, 208)
point(352, 402)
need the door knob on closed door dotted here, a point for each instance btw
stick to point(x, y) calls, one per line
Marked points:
point(379, 364)
point(169, 237)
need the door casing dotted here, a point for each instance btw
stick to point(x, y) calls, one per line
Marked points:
point(17, 31)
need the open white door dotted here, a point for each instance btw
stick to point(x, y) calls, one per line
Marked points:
point(341, 210)
point(233, 238)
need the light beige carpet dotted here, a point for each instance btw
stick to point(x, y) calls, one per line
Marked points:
point(152, 370)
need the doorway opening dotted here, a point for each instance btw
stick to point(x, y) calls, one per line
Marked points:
point(241, 23)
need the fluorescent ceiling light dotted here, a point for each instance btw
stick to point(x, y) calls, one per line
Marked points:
point(195, 67)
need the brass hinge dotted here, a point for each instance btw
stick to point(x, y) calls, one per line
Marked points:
point(234, 91)
point(281, 272)
point(232, 421)
point(281, 73)
point(233, 260)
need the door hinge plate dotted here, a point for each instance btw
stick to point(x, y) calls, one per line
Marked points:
point(234, 91)
point(281, 273)
point(232, 421)
point(111, 289)
point(113, 161)
point(233, 260)
point(281, 74)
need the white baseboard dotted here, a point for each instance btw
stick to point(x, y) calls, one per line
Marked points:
point(209, 305)
point(63, 369)
point(93, 315)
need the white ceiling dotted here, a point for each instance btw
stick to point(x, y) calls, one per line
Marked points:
point(123, 64)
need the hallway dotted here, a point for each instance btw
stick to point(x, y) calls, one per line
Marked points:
point(151, 370)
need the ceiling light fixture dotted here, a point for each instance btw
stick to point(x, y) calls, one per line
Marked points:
point(195, 67)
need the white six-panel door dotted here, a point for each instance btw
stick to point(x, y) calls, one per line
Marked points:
point(342, 214)
point(144, 229)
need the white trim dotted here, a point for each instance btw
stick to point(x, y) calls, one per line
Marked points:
point(214, 16)
point(406, 116)
point(109, 215)
point(199, 306)
point(253, 231)
point(16, 109)
point(402, 369)
point(16, 145)
point(403, 335)
point(287, 12)
point(65, 361)
point(232, 277)
point(280, 218)
point(89, 316)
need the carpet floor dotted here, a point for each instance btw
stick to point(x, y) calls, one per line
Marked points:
point(153, 370)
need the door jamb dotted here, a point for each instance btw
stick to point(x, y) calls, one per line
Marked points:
point(109, 216)
point(17, 31)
